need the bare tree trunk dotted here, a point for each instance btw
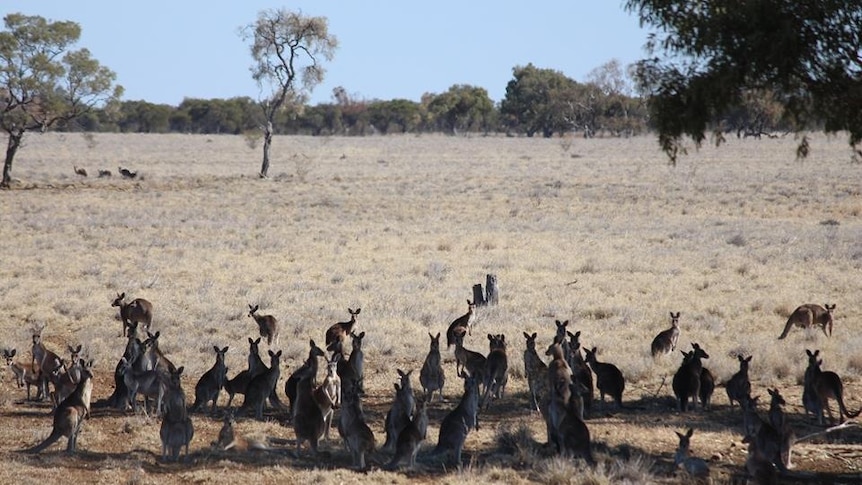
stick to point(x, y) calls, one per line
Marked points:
point(478, 295)
point(11, 149)
point(267, 142)
point(492, 297)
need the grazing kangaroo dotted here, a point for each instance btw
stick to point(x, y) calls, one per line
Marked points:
point(126, 173)
point(267, 325)
point(239, 383)
point(136, 311)
point(465, 359)
point(308, 369)
point(25, 374)
point(44, 360)
point(409, 439)
point(338, 332)
point(457, 424)
point(609, 378)
point(69, 415)
point(665, 341)
point(176, 430)
point(536, 371)
point(210, 384)
point(403, 407)
point(819, 387)
point(104, 173)
point(496, 369)
point(261, 387)
point(80, 171)
point(686, 381)
point(808, 315)
point(573, 434)
point(739, 385)
point(694, 466)
point(357, 435)
point(463, 324)
point(431, 376)
point(581, 372)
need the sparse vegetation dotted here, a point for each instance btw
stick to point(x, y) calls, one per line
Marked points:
point(404, 241)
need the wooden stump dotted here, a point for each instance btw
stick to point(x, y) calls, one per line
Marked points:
point(491, 296)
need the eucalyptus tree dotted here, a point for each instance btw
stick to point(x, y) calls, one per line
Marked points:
point(44, 82)
point(287, 49)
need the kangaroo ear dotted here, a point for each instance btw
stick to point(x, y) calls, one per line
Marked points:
point(224, 350)
point(216, 349)
point(690, 432)
point(438, 336)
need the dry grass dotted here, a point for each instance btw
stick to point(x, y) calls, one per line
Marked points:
point(603, 233)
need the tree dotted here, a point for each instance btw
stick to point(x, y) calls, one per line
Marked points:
point(462, 108)
point(807, 55)
point(43, 83)
point(536, 101)
point(286, 49)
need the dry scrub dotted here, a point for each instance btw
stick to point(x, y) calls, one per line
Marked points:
point(604, 234)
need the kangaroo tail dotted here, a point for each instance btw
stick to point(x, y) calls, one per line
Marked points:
point(50, 440)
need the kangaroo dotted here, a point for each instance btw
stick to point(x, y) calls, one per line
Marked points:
point(431, 376)
point(25, 374)
point(155, 355)
point(465, 359)
point(357, 435)
point(65, 379)
point(403, 407)
point(739, 385)
point(581, 371)
point(177, 429)
point(226, 437)
point(760, 468)
point(328, 394)
point(707, 387)
point(267, 325)
point(778, 420)
point(126, 173)
point(562, 331)
point(210, 384)
point(147, 383)
point(686, 381)
point(464, 322)
point(409, 439)
point(665, 341)
point(609, 378)
point(104, 173)
point(457, 424)
point(69, 415)
point(695, 467)
point(262, 386)
point(559, 393)
point(338, 332)
point(138, 311)
point(573, 434)
point(536, 371)
point(767, 439)
point(80, 171)
point(309, 368)
point(822, 386)
point(809, 315)
point(496, 369)
point(239, 383)
point(44, 360)
point(308, 422)
point(356, 360)
point(119, 399)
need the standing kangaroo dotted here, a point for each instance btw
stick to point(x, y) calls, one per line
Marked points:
point(409, 439)
point(25, 374)
point(496, 369)
point(581, 372)
point(819, 387)
point(338, 332)
point(138, 311)
point(686, 381)
point(308, 369)
point(44, 360)
point(457, 424)
point(176, 430)
point(403, 407)
point(738, 387)
point(808, 315)
point(665, 341)
point(431, 376)
point(560, 382)
point(210, 384)
point(536, 371)
point(239, 383)
point(357, 435)
point(267, 325)
point(261, 387)
point(69, 415)
point(462, 324)
point(468, 360)
point(609, 378)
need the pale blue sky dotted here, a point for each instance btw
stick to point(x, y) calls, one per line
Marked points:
point(165, 51)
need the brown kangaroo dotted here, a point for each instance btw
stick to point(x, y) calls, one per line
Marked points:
point(665, 341)
point(819, 387)
point(457, 424)
point(267, 325)
point(69, 415)
point(536, 371)
point(25, 374)
point(137, 311)
point(686, 381)
point(739, 385)
point(210, 384)
point(609, 378)
point(465, 359)
point(403, 407)
point(239, 383)
point(338, 332)
point(809, 315)
point(496, 369)
point(464, 322)
point(431, 376)
point(44, 360)
point(309, 369)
